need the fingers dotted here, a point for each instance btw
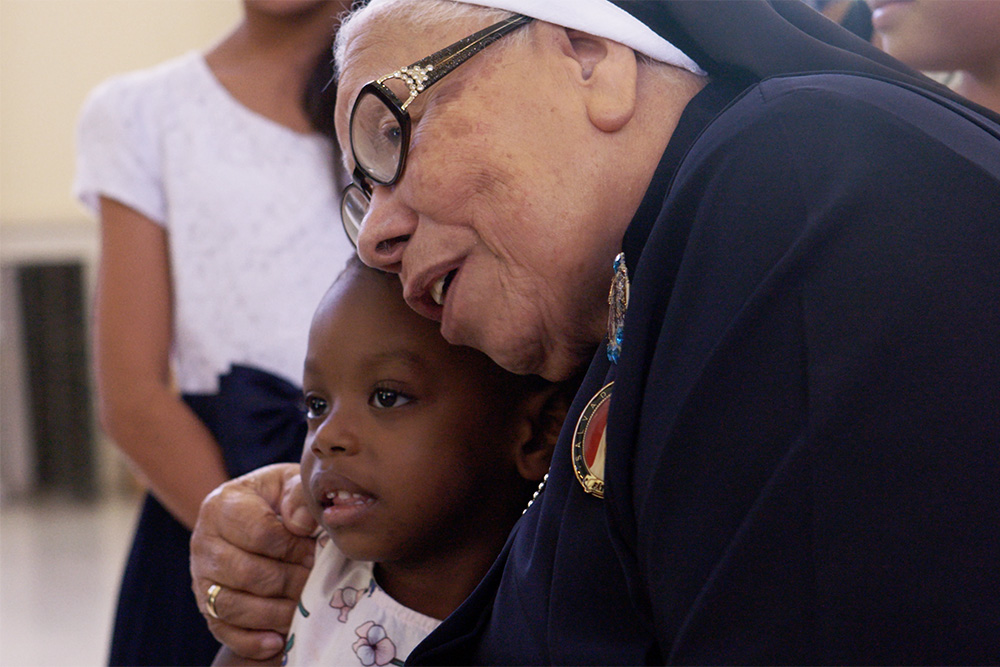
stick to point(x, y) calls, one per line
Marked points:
point(255, 644)
point(240, 544)
point(238, 618)
point(263, 558)
point(252, 626)
point(251, 612)
point(226, 657)
point(251, 546)
point(258, 575)
point(298, 519)
point(268, 607)
point(213, 592)
point(244, 612)
point(279, 485)
point(243, 513)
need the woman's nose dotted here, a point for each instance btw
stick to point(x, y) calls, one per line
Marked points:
point(386, 229)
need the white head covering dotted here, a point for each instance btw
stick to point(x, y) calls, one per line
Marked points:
point(600, 18)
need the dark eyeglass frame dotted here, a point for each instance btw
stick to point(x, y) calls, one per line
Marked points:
point(418, 77)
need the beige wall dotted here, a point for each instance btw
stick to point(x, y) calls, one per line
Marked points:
point(52, 52)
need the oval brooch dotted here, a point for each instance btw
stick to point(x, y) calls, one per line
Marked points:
point(590, 442)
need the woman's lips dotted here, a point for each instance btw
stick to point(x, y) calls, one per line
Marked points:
point(428, 298)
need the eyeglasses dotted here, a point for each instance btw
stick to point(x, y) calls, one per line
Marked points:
point(380, 124)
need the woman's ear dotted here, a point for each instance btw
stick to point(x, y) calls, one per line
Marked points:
point(607, 73)
point(544, 412)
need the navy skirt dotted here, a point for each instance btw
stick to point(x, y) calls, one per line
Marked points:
point(257, 419)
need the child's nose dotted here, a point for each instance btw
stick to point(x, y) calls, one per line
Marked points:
point(336, 435)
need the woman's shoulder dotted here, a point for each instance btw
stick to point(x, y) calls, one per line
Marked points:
point(120, 130)
point(840, 128)
point(168, 72)
point(854, 104)
point(149, 88)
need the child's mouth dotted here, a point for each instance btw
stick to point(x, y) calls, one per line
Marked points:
point(344, 508)
point(345, 498)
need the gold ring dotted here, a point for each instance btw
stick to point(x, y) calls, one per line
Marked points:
point(213, 592)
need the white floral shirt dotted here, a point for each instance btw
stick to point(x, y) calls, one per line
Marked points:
point(345, 618)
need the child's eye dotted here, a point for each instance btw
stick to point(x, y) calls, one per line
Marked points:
point(315, 406)
point(388, 398)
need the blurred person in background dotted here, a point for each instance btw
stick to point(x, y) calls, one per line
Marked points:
point(853, 15)
point(213, 176)
point(957, 36)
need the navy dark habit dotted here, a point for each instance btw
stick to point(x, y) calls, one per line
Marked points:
point(803, 446)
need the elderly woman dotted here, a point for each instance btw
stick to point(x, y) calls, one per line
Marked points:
point(784, 246)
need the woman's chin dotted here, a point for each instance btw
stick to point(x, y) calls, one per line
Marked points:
point(561, 367)
point(516, 361)
point(554, 365)
point(517, 346)
point(515, 354)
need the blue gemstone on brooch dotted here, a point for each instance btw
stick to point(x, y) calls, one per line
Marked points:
point(617, 305)
point(614, 352)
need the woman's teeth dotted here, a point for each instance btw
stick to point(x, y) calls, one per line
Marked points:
point(440, 287)
point(437, 291)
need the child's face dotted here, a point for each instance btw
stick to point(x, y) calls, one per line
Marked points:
point(409, 449)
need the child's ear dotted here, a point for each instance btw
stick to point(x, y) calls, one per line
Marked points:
point(544, 412)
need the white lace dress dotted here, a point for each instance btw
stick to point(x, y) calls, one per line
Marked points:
point(251, 211)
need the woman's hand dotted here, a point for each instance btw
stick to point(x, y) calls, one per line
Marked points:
point(260, 562)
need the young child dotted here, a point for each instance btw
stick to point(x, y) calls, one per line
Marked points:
point(420, 457)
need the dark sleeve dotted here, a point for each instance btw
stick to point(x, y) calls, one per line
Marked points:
point(816, 411)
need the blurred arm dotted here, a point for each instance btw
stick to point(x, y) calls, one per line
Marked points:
point(173, 450)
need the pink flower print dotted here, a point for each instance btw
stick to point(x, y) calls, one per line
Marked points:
point(344, 599)
point(373, 646)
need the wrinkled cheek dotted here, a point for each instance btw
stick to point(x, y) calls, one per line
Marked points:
point(451, 196)
point(453, 165)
